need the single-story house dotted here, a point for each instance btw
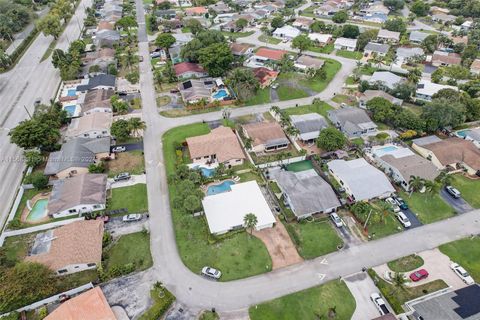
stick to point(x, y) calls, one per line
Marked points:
point(453, 154)
point(220, 7)
point(303, 23)
point(76, 155)
point(264, 55)
point(361, 180)
point(442, 59)
point(226, 211)
point(385, 35)
point(326, 9)
point(345, 44)
point(97, 100)
point(380, 49)
point(465, 26)
point(71, 248)
point(308, 125)
point(196, 11)
point(219, 146)
point(195, 90)
point(305, 192)
point(106, 38)
point(443, 18)
point(265, 76)
point(460, 39)
point(426, 89)
point(472, 135)
point(77, 195)
point(186, 70)
point(368, 95)
point(265, 136)
point(475, 66)
point(353, 122)
point(286, 32)
point(166, 14)
point(93, 125)
point(406, 53)
point(320, 39)
point(417, 36)
point(385, 79)
point(89, 305)
point(401, 164)
point(241, 49)
point(104, 25)
point(101, 58)
point(101, 81)
point(305, 62)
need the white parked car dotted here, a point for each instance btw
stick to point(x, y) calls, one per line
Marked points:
point(211, 272)
point(453, 192)
point(132, 217)
point(379, 303)
point(336, 219)
point(393, 203)
point(462, 273)
point(119, 149)
point(403, 219)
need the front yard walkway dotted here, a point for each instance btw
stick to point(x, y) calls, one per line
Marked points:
point(279, 246)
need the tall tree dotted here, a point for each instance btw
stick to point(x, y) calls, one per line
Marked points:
point(250, 221)
point(416, 184)
point(302, 43)
point(331, 139)
point(243, 82)
point(216, 59)
point(50, 25)
point(165, 40)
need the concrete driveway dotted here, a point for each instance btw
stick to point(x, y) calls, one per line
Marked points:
point(361, 286)
point(117, 227)
point(459, 205)
point(131, 146)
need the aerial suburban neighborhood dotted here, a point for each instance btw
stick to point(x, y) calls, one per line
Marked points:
point(240, 159)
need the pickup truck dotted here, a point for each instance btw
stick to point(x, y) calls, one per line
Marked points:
point(379, 303)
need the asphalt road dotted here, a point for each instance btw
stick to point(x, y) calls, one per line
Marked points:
point(459, 205)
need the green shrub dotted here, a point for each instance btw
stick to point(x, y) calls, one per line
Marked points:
point(39, 180)
point(162, 298)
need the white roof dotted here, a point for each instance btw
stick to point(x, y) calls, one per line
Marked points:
point(428, 88)
point(362, 179)
point(320, 37)
point(288, 31)
point(386, 78)
point(387, 34)
point(227, 210)
point(346, 42)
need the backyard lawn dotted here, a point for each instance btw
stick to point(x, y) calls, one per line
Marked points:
point(131, 248)
point(429, 208)
point(132, 162)
point(134, 198)
point(314, 303)
point(289, 93)
point(16, 248)
point(406, 264)
point(314, 239)
point(465, 252)
point(320, 108)
point(469, 188)
point(262, 96)
point(349, 54)
point(237, 255)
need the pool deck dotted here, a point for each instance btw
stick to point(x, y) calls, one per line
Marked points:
point(26, 211)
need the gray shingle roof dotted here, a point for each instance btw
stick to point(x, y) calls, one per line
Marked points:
point(309, 125)
point(426, 140)
point(106, 80)
point(413, 165)
point(377, 47)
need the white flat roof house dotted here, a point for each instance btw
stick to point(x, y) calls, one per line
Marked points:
point(345, 44)
point(286, 32)
point(320, 38)
point(426, 89)
point(361, 180)
point(225, 211)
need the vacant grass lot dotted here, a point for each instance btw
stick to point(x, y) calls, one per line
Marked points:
point(289, 93)
point(469, 188)
point(134, 198)
point(349, 54)
point(321, 108)
point(132, 162)
point(389, 226)
point(429, 208)
point(262, 96)
point(131, 248)
point(237, 255)
point(314, 239)
point(268, 39)
point(406, 264)
point(313, 303)
point(465, 252)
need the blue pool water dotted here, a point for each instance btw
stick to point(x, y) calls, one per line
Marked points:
point(220, 188)
point(220, 94)
point(72, 92)
point(383, 151)
point(206, 172)
point(39, 210)
point(463, 133)
point(70, 110)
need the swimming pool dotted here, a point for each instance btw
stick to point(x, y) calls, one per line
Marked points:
point(39, 211)
point(380, 152)
point(70, 109)
point(207, 172)
point(220, 188)
point(72, 92)
point(462, 133)
point(220, 94)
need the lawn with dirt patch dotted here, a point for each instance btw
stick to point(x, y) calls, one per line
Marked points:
point(469, 188)
point(341, 98)
point(406, 264)
point(268, 39)
point(313, 303)
point(163, 101)
point(133, 248)
point(134, 198)
point(15, 249)
point(132, 162)
point(327, 49)
point(429, 208)
point(465, 252)
point(349, 54)
point(321, 108)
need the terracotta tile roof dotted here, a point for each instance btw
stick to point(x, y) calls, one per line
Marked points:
point(79, 242)
point(97, 98)
point(185, 67)
point(220, 141)
point(196, 10)
point(90, 305)
point(264, 132)
point(104, 25)
point(456, 150)
point(264, 75)
point(446, 58)
point(271, 54)
point(239, 48)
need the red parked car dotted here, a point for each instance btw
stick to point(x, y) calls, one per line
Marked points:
point(419, 275)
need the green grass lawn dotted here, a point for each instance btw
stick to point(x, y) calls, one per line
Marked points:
point(300, 166)
point(134, 198)
point(325, 49)
point(429, 208)
point(406, 264)
point(320, 108)
point(382, 229)
point(209, 315)
point(314, 239)
point(236, 35)
point(313, 303)
point(465, 252)
point(236, 255)
point(262, 96)
point(349, 54)
point(289, 93)
point(350, 81)
point(162, 300)
point(469, 188)
point(251, 176)
point(268, 39)
point(398, 296)
point(131, 248)
point(16, 248)
point(341, 98)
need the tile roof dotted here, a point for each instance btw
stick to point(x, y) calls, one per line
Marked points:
point(475, 65)
point(220, 141)
point(456, 150)
point(97, 98)
point(93, 121)
point(79, 242)
point(104, 25)
point(264, 75)
point(271, 54)
point(90, 305)
point(265, 133)
point(446, 57)
point(196, 10)
point(413, 165)
point(239, 48)
point(387, 34)
point(185, 67)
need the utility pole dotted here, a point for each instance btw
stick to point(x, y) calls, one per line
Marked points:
point(25, 107)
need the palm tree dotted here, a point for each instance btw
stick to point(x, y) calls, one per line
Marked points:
point(385, 208)
point(398, 281)
point(416, 184)
point(275, 110)
point(250, 221)
point(432, 187)
point(444, 178)
point(414, 75)
point(135, 124)
point(292, 131)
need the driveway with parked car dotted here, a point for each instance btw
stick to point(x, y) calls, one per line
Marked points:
point(456, 202)
point(117, 226)
point(127, 147)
